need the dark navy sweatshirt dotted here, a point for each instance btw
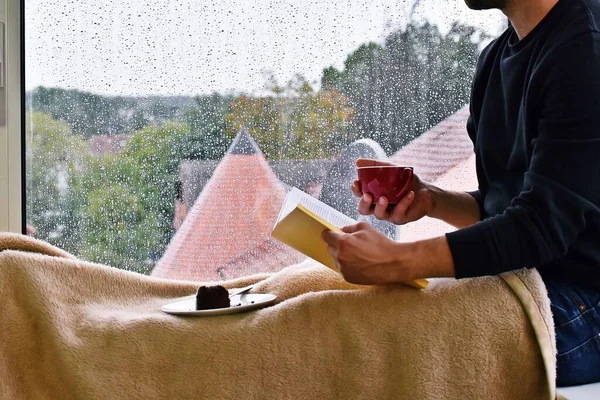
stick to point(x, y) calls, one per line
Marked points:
point(535, 126)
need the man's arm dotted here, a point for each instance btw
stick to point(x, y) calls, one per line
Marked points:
point(365, 256)
point(430, 258)
point(458, 209)
point(560, 196)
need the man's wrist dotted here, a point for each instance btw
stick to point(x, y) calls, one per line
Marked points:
point(430, 258)
point(403, 269)
point(458, 209)
point(436, 198)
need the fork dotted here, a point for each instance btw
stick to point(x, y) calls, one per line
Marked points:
point(241, 291)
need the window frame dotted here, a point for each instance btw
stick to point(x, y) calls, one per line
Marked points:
point(12, 136)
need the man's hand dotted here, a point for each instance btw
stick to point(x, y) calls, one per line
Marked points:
point(458, 209)
point(365, 256)
point(416, 204)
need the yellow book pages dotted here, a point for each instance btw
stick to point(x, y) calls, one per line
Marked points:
point(301, 229)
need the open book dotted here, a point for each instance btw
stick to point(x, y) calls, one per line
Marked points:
point(301, 221)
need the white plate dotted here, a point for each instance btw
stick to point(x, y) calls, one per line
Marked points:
point(250, 301)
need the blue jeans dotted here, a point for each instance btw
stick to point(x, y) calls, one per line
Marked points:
point(576, 312)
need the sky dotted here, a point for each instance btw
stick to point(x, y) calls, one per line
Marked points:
point(188, 47)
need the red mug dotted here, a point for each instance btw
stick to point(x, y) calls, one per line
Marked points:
point(390, 181)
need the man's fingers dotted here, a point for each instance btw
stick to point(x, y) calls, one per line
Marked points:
point(356, 188)
point(399, 212)
point(369, 162)
point(350, 228)
point(332, 238)
point(381, 208)
point(364, 205)
point(355, 227)
point(333, 253)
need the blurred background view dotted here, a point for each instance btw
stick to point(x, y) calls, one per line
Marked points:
point(161, 137)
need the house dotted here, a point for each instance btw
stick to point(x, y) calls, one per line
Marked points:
point(307, 175)
point(99, 145)
point(439, 149)
point(226, 233)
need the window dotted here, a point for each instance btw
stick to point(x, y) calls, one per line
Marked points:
point(161, 137)
point(11, 87)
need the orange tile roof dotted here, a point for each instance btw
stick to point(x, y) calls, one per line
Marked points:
point(439, 149)
point(227, 231)
point(269, 256)
point(100, 145)
point(463, 177)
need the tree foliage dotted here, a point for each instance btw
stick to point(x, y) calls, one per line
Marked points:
point(206, 121)
point(53, 156)
point(89, 114)
point(410, 83)
point(126, 202)
point(293, 121)
point(113, 209)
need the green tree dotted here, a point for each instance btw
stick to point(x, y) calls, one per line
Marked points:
point(125, 203)
point(90, 114)
point(157, 151)
point(315, 122)
point(262, 118)
point(292, 122)
point(206, 120)
point(416, 79)
point(52, 158)
point(87, 114)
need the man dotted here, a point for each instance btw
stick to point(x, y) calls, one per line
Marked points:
point(535, 125)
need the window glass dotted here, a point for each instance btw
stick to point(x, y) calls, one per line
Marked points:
point(162, 137)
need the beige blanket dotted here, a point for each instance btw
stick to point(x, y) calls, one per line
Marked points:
point(75, 330)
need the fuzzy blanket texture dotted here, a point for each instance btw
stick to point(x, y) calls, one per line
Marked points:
point(76, 330)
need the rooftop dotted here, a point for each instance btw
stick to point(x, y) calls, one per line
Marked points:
point(100, 145)
point(227, 231)
point(439, 149)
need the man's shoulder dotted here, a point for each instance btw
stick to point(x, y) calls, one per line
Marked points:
point(580, 23)
point(590, 11)
point(581, 44)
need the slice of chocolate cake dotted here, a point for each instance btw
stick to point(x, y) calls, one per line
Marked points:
point(209, 297)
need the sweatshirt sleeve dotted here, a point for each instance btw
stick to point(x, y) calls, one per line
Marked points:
point(476, 194)
point(471, 131)
point(562, 184)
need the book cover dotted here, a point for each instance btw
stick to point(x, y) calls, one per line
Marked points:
point(301, 221)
